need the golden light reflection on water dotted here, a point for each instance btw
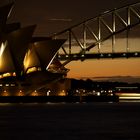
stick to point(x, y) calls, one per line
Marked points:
point(129, 96)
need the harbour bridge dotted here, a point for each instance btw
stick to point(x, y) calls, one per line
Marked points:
point(112, 34)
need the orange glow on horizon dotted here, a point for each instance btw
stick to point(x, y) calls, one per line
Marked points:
point(104, 68)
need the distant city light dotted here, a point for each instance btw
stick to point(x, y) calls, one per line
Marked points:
point(98, 94)
point(62, 93)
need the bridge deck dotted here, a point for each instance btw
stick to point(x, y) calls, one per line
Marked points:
point(78, 56)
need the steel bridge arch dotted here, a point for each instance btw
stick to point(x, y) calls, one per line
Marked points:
point(101, 28)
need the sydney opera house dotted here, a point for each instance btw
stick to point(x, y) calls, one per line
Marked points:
point(27, 63)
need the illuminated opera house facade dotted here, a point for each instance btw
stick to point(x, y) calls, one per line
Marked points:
point(27, 63)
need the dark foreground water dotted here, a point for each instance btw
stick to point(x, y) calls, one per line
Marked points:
point(91, 121)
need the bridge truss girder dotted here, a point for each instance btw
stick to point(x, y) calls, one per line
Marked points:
point(99, 29)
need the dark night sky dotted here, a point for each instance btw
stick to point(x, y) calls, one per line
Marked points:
point(41, 12)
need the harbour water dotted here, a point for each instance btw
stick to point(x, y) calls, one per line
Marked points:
point(70, 121)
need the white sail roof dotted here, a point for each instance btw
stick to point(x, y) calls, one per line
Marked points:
point(6, 63)
point(18, 43)
point(31, 59)
point(46, 51)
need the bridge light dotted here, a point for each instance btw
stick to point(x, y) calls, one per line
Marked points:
point(82, 55)
point(74, 55)
point(67, 56)
point(109, 55)
point(124, 54)
point(101, 55)
point(136, 54)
